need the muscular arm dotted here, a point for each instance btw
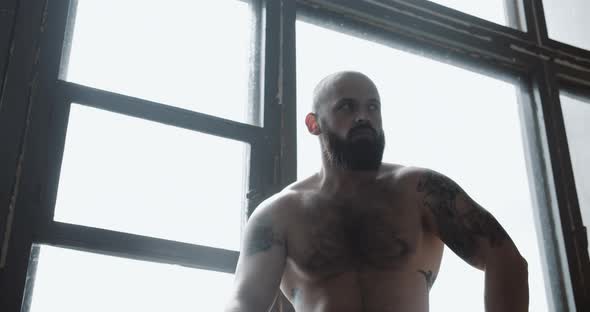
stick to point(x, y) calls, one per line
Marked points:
point(477, 237)
point(261, 263)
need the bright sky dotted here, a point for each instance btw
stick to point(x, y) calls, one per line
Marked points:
point(567, 21)
point(491, 10)
point(127, 174)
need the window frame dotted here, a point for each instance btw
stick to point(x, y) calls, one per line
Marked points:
point(35, 106)
point(33, 223)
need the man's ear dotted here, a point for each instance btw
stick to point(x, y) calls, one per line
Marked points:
point(312, 124)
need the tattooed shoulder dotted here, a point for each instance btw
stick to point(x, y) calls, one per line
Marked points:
point(436, 186)
point(461, 222)
point(262, 236)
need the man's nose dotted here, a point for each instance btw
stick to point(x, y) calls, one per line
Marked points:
point(361, 118)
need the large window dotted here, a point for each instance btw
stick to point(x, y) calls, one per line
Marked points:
point(142, 134)
point(434, 116)
point(158, 126)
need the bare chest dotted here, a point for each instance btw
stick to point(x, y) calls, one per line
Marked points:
point(354, 237)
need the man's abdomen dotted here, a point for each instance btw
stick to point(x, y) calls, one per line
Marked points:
point(376, 291)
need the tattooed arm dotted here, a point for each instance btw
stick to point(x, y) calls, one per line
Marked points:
point(477, 237)
point(261, 263)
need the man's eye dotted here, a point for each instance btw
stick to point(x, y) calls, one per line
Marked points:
point(373, 107)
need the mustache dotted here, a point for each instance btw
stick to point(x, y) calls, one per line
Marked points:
point(363, 127)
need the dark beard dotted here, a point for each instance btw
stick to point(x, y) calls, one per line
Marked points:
point(359, 154)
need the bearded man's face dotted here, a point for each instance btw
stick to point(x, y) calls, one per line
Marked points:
point(361, 149)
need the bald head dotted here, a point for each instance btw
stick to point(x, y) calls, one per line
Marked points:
point(342, 84)
point(347, 119)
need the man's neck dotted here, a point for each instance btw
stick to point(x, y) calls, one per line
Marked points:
point(338, 180)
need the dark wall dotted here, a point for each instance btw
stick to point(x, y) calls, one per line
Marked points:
point(7, 16)
point(8, 10)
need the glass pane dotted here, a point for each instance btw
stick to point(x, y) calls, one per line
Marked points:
point(567, 21)
point(131, 175)
point(182, 53)
point(72, 281)
point(576, 114)
point(491, 10)
point(441, 117)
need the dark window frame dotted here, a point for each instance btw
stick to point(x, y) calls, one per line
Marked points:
point(35, 107)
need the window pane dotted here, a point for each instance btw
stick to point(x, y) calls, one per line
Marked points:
point(72, 281)
point(166, 51)
point(491, 10)
point(567, 21)
point(131, 175)
point(441, 117)
point(576, 114)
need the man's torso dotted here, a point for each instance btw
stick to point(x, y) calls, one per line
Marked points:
point(369, 250)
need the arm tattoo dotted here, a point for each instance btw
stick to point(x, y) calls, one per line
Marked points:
point(262, 238)
point(429, 277)
point(459, 227)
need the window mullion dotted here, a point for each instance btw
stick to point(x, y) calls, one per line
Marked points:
point(161, 113)
point(550, 240)
point(535, 20)
point(264, 171)
point(137, 247)
point(515, 14)
point(561, 189)
point(288, 145)
point(38, 27)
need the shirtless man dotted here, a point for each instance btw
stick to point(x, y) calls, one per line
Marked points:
point(366, 236)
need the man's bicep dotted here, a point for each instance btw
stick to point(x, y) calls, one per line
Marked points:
point(463, 225)
point(261, 262)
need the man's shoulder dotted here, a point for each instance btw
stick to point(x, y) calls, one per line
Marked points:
point(279, 201)
point(292, 195)
point(410, 180)
point(403, 176)
point(282, 204)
